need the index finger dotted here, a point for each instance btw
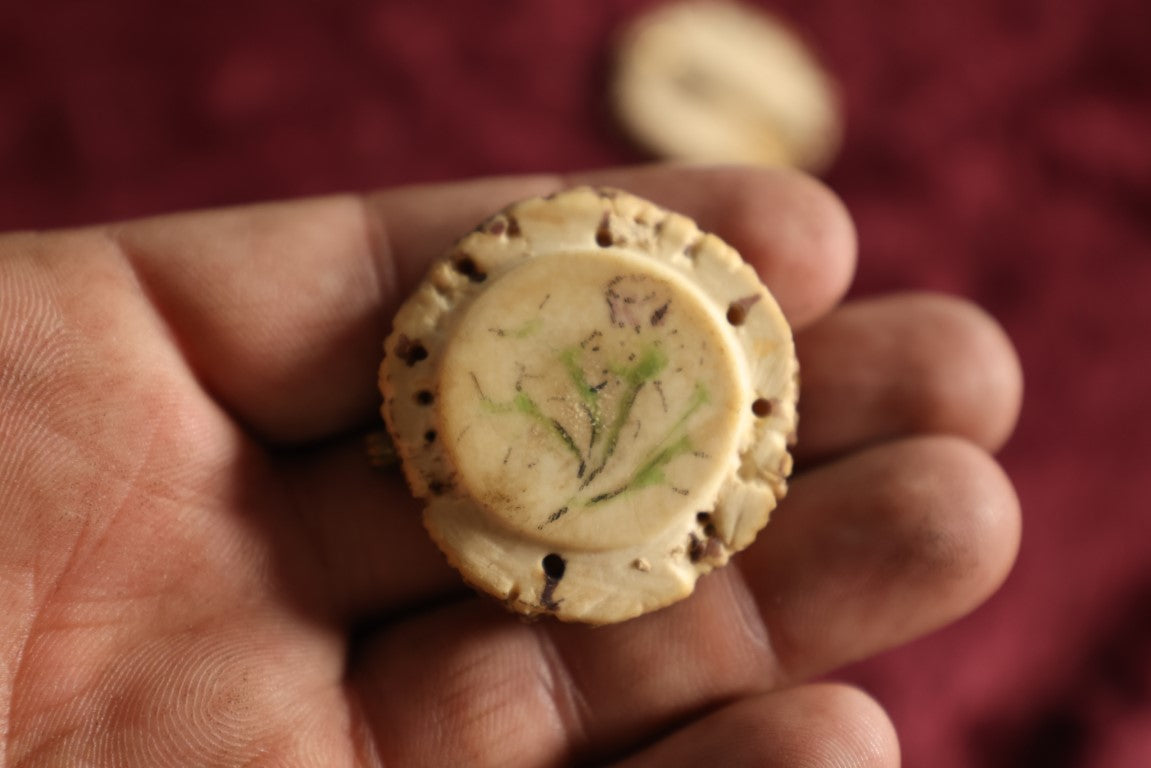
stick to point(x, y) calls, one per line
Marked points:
point(281, 309)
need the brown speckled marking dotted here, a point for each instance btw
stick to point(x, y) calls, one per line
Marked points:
point(738, 309)
point(707, 548)
point(658, 385)
point(695, 548)
point(603, 235)
point(411, 351)
point(554, 567)
point(658, 315)
point(467, 267)
point(692, 249)
point(547, 597)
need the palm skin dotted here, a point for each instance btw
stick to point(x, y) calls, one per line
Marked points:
point(199, 567)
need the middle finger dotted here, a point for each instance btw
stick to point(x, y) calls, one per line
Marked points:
point(882, 368)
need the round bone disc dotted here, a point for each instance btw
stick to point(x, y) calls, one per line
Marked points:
point(713, 81)
point(594, 398)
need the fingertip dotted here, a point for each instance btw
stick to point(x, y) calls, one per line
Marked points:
point(807, 240)
point(951, 518)
point(985, 541)
point(820, 725)
point(916, 363)
point(996, 387)
point(881, 547)
point(970, 382)
point(825, 725)
point(866, 737)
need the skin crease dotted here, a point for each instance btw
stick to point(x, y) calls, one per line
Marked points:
point(198, 567)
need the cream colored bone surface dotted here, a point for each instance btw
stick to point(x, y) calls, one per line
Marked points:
point(594, 399)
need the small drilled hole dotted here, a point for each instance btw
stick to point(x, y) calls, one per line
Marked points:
point(695, 548)
point(703, 517)
point(430, 436)
point(467, 267)
point(410, 351)
point(425, 397)
point(736, 314)
point(603, 237)
point(554, 566)
point(761, 407)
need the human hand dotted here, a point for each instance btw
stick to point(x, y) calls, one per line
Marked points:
point(198, 566)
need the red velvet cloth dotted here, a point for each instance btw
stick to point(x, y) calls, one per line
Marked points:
point(998, 149)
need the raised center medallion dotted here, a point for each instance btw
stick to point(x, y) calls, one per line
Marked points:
point(589, 398)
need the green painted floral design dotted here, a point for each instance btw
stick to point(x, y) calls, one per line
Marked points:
point(605, 423)
point(620, 400)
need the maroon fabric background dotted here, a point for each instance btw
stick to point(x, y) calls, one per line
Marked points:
point(998, 149)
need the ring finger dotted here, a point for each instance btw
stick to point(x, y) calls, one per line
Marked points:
point(868, 552)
